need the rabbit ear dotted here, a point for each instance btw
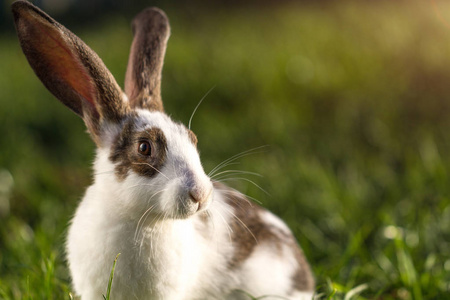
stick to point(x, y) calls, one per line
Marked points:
point(143, 78)
point(68, 68)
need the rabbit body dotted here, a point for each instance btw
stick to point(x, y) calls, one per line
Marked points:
point(180, 235)
point(198, 257)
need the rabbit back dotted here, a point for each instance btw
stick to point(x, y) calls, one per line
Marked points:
point(265, 255)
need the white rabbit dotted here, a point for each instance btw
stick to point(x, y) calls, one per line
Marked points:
point(180, 235)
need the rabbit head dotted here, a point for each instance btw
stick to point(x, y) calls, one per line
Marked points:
point(144, 159)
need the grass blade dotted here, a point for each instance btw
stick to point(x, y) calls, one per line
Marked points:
point(356, 291)
point(108, 291)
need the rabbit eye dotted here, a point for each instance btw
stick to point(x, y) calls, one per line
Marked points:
point(144, 148)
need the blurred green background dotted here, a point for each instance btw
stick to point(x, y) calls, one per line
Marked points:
point(351, 97)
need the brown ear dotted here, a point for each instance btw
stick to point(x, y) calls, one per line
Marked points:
point(143, 78)
point(68, 68)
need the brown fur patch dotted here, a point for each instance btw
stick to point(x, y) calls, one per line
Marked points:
point(126, 156)
point(249, 230)
point(192, 137)
point(302, 280)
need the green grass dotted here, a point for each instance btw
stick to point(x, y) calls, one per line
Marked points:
point(111, 277)
point(352, 98)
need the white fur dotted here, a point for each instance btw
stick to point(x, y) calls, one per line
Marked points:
point(270, 218)
point(266, 273)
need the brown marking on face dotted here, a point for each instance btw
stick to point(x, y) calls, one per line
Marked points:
point(192, 137)
point(125, 152)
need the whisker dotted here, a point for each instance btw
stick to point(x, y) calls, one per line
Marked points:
point(155, 234)
point(104, 172)
point(175, 171)
point(142, 221)
point(229, 230)
point(245, 198)
point(248, 180)
point(180, 200)
point(158, 230)
point(161, 220)
point(241, 154)
point(242, 223)
point(139, 185)
point(147, 164)
point(200, 102)
point(208, 213)
point(177, 205)
point(214, 229)
point(146, 213)
point(235, 157)
point(235, 172)
point(165, 217)
point(213, 172)
point(144, 216)
point(228, 176)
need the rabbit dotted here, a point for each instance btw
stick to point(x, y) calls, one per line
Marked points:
point(180, 234)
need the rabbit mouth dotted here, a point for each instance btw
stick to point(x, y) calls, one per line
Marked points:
point(187, 208)
point(190, 205)
point(184, 211)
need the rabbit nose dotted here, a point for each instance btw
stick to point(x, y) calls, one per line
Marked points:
point(195, 196)
point(199, 196)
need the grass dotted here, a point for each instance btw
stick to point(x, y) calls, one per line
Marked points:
point(111, 277)
point(352, 98)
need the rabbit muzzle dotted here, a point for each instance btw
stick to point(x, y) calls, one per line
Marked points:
point(195, 199)
point(201, 198)
point(187, 195)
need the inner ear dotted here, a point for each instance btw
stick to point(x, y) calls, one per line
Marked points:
point(69, 68)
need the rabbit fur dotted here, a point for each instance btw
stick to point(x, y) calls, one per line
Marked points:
point(180, 234)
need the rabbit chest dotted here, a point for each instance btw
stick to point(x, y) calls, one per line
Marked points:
point(171, 259)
